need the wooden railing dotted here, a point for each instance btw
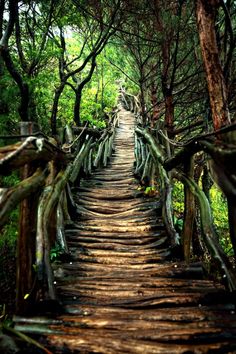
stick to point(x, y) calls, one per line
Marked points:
point(48, 169)
point(159, 162)
point(130, 102)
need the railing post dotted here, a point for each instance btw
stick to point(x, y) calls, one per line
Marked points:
point(189, 212)
point(25, 277)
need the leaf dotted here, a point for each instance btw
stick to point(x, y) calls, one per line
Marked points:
point(150, 191)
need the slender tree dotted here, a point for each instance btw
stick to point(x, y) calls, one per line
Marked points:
point(206, 13)
point(28, 28)
point(99, 25)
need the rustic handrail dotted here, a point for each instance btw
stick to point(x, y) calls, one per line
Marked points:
point(32, 149)
point(158, 158)
point(208, 231)
point(154, 148)
point(165, 166)
point(52, 169)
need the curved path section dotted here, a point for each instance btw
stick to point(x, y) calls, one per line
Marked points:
point(121, 293)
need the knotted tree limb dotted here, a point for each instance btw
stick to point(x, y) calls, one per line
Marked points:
point(32, 149)
point(68, 134)
point(223, 171)
point(71, 204)
point(222, 167)
point(60, 236)
point(77, 163)
point(182, 155)
point(14, 150)
point(208, 232)
point(225, 177)
point(137, 151)
point(111, 140)
point(11, 197)
point(223, 154)
point(146, 169)
point(142, 158)
point(156, 148)
point(47, 204)
point(189, 212)
point(109, 145)
point(116, 120)
point(222, 158)
point(159, 157)
point(100, 151)
point(90, 131)
point(224, 151)
point(106, 153)
point(64, 204)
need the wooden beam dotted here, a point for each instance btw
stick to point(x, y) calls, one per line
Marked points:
point(32, 149)
point(11, 197)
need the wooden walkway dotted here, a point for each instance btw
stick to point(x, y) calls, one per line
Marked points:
point(121, 292)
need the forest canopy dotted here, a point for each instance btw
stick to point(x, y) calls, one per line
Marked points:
point(63, 62)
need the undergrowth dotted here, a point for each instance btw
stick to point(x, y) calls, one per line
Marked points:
point(8, 239)
point(219, 213)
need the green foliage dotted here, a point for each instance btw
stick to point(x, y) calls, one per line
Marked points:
point(90, 109)
point(150, 191)
point(178, 223)
point(220, 217)
point(99, 96)
point(43, 88)
point(219, 210)
point(65, 108)
point(56, 252)
point(10, 230)
point(178, 199)
point(8, 107)
point(11, 180)
point(178, 205)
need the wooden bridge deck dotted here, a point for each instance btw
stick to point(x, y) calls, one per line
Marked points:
point(121, 292)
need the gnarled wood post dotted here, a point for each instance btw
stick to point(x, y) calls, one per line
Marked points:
point(25, 277)
point(189, 212)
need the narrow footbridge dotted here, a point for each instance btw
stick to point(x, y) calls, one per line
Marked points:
point(120, 285)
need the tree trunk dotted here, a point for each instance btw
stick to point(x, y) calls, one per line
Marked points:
point(57, 96)
point(77, 104)
point(206, 12)
point(189, 213)
point(25, 278)
point(208, 232)
point(169, 114)
point(206, 182)
point(155, 111)
point(32, 108)
point(142, 102)
point(79, 89)
point(23, 86)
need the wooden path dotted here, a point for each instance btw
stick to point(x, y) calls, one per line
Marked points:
point(121, 292)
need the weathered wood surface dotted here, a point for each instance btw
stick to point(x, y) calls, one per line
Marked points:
point(121, 292)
